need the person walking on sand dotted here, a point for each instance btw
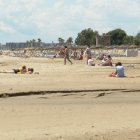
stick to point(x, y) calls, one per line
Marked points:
point(66, 55)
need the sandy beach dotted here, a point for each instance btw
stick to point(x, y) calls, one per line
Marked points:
point(69, 102)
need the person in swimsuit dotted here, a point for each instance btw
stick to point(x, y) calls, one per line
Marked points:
point(66, 55)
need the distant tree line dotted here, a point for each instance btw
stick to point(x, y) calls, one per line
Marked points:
point(69, 41)
point(33, 43)
point(88, 37)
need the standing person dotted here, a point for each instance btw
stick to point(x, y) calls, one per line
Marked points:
point(66, 55)
point(88, 54)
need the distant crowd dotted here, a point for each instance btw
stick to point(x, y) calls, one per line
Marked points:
point(100, 60)
point(104, 60)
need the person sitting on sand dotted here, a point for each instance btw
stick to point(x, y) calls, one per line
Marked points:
point(91, 62)
point(107, 61)
point(119, 71)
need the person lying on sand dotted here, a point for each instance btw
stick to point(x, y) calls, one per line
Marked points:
point(23, 70)
point(119, 71)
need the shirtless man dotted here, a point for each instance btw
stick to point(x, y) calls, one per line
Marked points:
point(66, 55)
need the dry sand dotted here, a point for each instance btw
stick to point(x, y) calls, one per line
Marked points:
point(88, 105)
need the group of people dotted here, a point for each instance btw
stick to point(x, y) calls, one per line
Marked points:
point(105, 61)
point(66, 54)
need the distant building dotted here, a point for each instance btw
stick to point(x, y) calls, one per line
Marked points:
point(103, 40)
point(21, 45)
point(14, 45)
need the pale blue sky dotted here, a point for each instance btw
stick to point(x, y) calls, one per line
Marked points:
point(22, 20)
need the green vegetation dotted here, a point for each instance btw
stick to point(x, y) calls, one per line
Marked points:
point(69, 41)
point(114, 37)
point(86, 37)
point(61, 41)
point(33, 43)
point(117, 37)
point(137, 39)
